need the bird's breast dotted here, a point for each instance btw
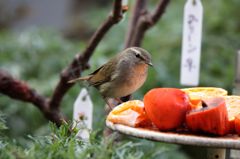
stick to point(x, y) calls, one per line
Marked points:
point(137, 76)
point(126, 81)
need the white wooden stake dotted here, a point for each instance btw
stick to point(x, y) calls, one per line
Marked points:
point(82, 113)
point(124, 3)
point(191, 43)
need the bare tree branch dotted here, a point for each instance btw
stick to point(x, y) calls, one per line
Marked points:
point(19, 90)
point(139, 7)
point(146, 21)
point(80, 62)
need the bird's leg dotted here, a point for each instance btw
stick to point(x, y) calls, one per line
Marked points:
point(109, 104)
point(119, 100)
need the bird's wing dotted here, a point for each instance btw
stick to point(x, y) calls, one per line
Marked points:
point(102, 74)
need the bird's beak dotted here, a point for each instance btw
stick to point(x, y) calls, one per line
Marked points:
point(150, 64)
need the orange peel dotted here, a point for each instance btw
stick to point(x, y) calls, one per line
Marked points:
point(130, 113)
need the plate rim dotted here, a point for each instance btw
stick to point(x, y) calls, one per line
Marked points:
point(177, 138)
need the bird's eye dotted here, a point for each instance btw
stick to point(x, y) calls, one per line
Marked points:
point(137, 55)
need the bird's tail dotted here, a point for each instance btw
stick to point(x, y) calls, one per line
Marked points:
point(79, 79)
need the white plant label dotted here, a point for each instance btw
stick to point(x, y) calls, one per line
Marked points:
point(83, 113)
point(124, 2)
point(191, 43)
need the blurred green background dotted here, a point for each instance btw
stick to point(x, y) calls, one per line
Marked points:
point(37, 54)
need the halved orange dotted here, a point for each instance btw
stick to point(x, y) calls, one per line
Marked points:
point(131, 113)
point(197, 94)
point(233, 108)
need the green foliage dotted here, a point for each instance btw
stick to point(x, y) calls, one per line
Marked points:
point(2, 122)
point(64, 143)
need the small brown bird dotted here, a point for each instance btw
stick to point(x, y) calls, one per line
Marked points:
point(121, 75)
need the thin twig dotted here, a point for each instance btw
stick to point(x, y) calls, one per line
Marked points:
point(148, 20)
point(138, 9)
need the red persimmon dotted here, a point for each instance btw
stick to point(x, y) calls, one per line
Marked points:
point(166, 107)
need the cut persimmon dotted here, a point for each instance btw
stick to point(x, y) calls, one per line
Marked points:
point(129, 113)
point(212, 118)
point(197, 94)
point(233, 108)
point(237, 124)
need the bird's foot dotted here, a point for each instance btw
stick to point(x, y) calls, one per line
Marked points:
point(119, 100)
point(110, 104)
